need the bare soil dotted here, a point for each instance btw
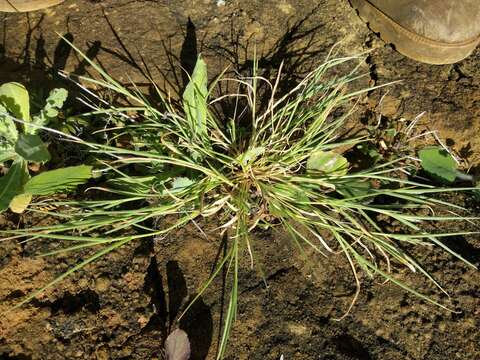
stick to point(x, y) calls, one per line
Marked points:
point(123, 306)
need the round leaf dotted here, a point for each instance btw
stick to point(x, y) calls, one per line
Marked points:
point(438, 163)
point(327, 162)
point(20, 203)
point(14, 97)
point(180, 183)
point(354, 188)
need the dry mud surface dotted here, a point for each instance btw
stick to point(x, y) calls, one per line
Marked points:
point(123, 306)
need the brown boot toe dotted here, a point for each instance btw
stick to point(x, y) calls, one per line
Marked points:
point(26, 5)
point(431, 31)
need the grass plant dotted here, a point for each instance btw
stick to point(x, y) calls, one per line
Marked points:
point(276, 163)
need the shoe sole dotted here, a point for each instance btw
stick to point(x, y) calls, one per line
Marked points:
point(26, 5)
point(410, 44)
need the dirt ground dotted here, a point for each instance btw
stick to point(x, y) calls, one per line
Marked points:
point(124, 305)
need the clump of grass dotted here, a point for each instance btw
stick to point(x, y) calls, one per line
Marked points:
point(275, 164)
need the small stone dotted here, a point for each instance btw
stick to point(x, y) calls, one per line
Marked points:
point(286, 8)
point(297, 329)
point(142, 321)
point(442, 326)
point(102, 354)
point(83, 283)
point(102, 284)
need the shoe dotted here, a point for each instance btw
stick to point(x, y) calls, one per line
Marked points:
point(26, 5)
point(430, 31)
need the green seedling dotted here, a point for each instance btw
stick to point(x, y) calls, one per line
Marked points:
point(440, 165)
point(277, 164)
point(20, 145)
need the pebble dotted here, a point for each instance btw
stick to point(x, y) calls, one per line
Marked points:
point(102, 284)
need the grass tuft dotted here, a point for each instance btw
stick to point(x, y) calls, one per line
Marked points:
point(274, 164)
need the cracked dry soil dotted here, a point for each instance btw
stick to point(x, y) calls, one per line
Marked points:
point(123, 306)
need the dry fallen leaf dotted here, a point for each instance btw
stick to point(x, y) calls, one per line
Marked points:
point(177, 346)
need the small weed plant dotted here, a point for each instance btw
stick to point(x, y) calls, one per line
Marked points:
point(277, 164)
point(21, 147)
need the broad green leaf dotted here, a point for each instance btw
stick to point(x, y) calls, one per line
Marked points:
point(58, 181)
point(8, 130)
point(20, 203)
point(290, 192)
point(354, 188)
point(55, 101)
point(327, 162)
point(14, 97)
point(180, 183)
point(133, 184)
point(32, 148)
point(438, 163)
point(251, 155)
point(195, 99)
point(11, 184)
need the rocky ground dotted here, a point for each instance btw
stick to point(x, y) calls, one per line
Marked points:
point(123, 306)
